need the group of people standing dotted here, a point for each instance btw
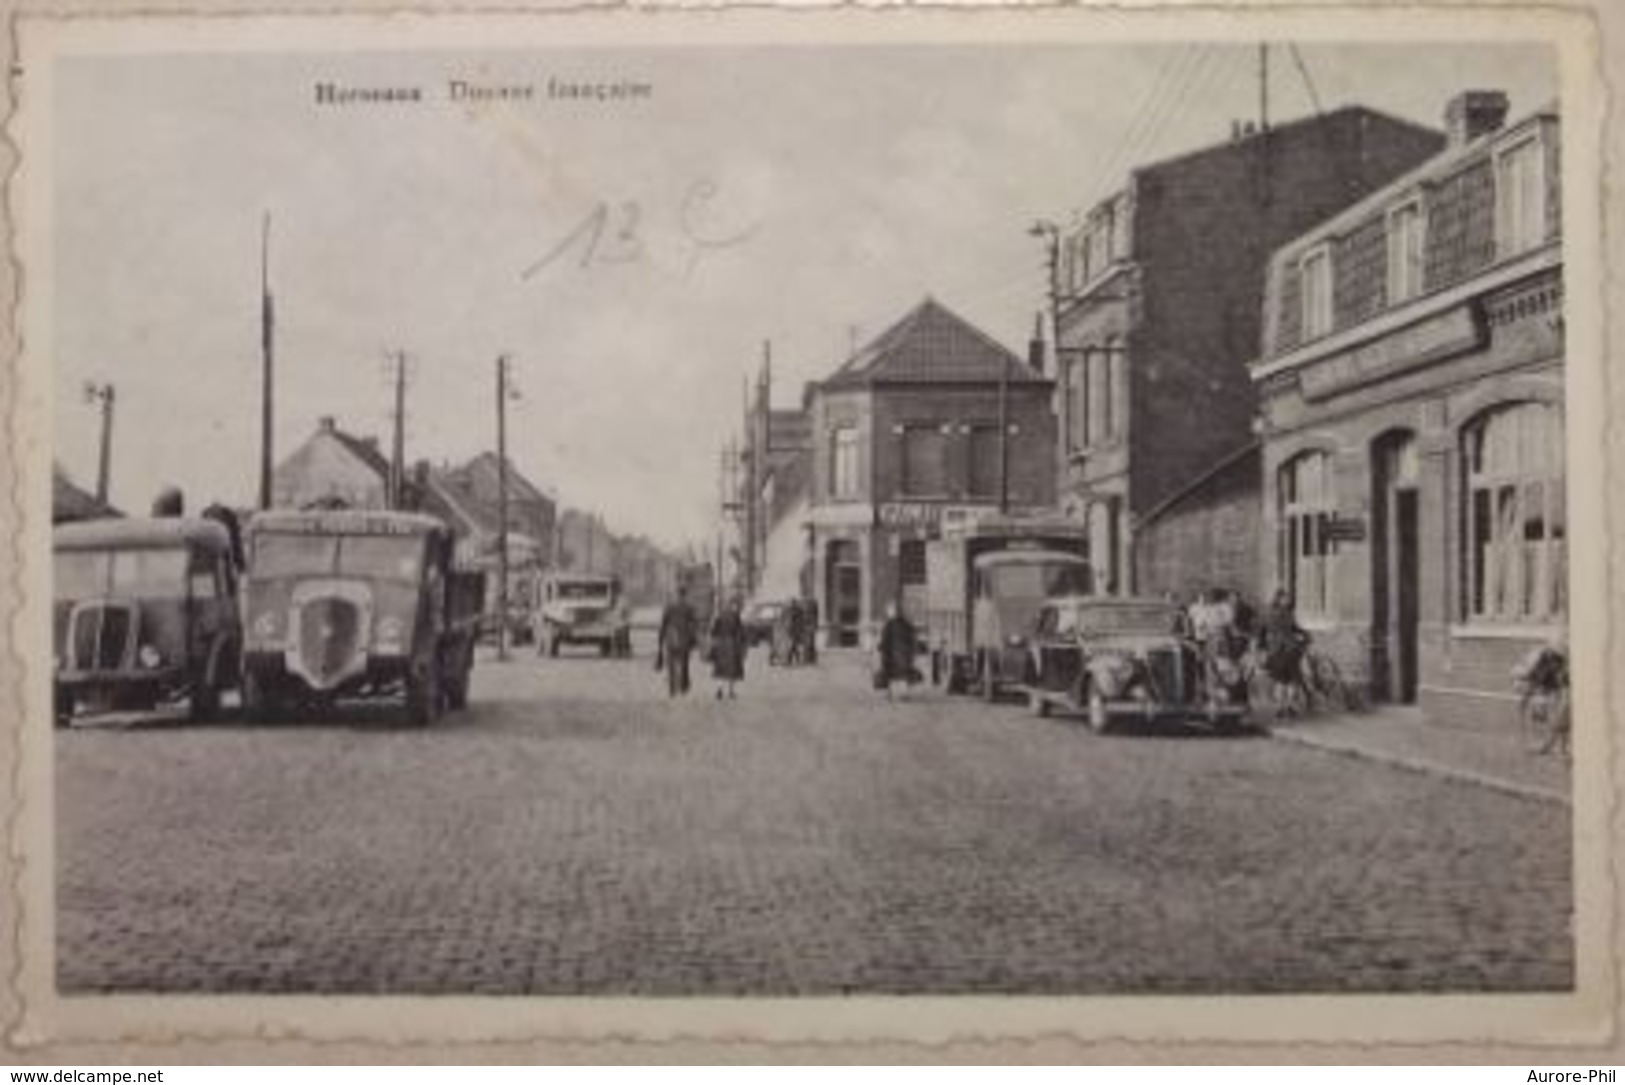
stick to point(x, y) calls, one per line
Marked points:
point(793, 639)
point(1224, 626)
point(726, 643)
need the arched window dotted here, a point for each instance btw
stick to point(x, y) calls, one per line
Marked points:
point(1514, 525)
point(1305, 504)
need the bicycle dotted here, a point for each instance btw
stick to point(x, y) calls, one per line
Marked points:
point(1544, 718)
point(1326, 687)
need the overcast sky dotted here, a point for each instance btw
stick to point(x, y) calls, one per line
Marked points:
point(852, 182)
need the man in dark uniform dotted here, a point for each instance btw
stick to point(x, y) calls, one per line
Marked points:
point(679, 628)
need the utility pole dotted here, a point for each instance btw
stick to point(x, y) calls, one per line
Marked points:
point(397, 460)
point(267, 336)
point(1004, 436)
point(102, 394)
point(1264, 123)
point(502, 506)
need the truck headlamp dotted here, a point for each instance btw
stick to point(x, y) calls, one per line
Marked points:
point(389, 630)
point(265, 625)
point(149, 657)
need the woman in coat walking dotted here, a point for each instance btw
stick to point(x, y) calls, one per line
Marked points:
point(898, 643)
point(728, 650)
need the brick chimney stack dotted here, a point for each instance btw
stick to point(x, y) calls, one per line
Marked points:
point(1474, 113)
point(1035, 345)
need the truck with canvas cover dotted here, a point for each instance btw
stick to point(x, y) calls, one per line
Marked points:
point(985, 581)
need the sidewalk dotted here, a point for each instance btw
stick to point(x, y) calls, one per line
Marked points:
point(1403, 737)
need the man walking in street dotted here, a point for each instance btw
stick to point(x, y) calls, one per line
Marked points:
point(678, 631)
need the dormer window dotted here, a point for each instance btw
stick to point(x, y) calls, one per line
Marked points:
point(1316, 271)
point(1405, 234)
point(1520, 196)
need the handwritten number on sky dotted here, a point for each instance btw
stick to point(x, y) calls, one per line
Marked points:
point(615, 233)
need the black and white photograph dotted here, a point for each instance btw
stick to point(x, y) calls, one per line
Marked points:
point(558, 512)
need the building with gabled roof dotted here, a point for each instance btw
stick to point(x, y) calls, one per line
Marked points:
point(904, 436)
point(332, 467)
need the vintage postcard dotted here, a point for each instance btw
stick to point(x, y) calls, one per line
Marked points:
point(835, 527)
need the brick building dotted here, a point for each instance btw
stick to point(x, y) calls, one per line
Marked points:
point(1412, 389)
point(905, 435)
point(1158, 300)
point(1206, 535)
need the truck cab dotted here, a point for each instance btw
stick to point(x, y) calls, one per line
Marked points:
point(144, 611)
point(583, 608)
point(984, 586)
point(353, 603)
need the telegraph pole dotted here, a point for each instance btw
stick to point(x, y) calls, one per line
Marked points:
point(102, 394)
point(502, 506)
point(397, 461)
point(267, 335)
point(1004, 436)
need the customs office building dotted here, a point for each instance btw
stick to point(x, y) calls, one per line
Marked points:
point(1412, 421)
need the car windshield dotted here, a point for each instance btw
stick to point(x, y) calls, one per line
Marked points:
point(1149, 618)
point(144, 573)
point(1037, 580)
point(582, 591)
point(390, 557)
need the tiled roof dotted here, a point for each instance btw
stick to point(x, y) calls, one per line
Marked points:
point(932, 345)
point(364, 450)
point(69, 502)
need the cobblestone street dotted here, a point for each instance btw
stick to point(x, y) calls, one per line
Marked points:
point(573, 832)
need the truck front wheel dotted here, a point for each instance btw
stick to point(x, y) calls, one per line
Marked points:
point(989, 685)
point(423, 695)
point(257, 700)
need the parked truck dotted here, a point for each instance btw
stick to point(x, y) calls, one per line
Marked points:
point(985, 583)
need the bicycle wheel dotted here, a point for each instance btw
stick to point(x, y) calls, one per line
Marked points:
point(1539, 719)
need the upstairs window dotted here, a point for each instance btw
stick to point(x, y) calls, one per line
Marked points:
point(844, 462)
point(1317, 293)
point(1520, 204)
point(925, 461)
point(1404, 252)
point(983, 461)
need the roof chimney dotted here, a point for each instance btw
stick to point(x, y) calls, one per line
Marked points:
point(325, 424)
point(1473, 113)
point(1035, 345)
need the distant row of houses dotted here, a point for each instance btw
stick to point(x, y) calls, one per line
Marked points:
point(1324, 358)
point(334, 466)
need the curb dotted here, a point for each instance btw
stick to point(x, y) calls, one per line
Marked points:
point(1422, 766)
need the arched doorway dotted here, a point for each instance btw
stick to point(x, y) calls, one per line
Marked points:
point(1395, 592)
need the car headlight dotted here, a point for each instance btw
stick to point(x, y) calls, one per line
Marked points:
point(1015, 640)
point(149, 657)
point(389, 630)
point(265, 625)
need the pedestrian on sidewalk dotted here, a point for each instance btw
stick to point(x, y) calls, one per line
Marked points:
point(898, 643)
point(728, 650)
point(678, 631)
point(1284, 642)
point(809, 627)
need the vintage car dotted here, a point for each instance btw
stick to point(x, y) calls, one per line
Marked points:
point(357, 603)
point(1122, 659)
point(760, 619)
point(144, 611)
point(583, 608)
